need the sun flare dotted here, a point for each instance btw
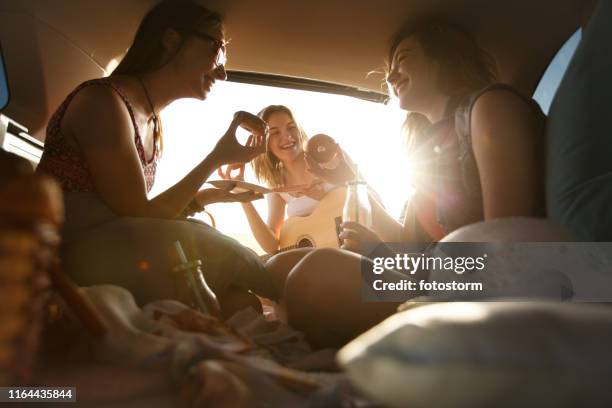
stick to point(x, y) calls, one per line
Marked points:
point(369, 132)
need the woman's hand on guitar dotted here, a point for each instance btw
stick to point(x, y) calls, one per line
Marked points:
point(355, 235)
point(229, 150)
point(339, 175)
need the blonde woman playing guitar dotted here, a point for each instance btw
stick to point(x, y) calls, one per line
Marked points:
point(283, 168)
point(313, 208)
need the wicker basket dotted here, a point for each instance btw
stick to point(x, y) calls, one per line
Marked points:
point(28, 241)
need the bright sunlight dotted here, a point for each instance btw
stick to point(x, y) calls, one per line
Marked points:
point(369, 132)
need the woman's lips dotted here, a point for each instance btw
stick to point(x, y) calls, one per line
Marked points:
point(400, 85)
point(288, 146)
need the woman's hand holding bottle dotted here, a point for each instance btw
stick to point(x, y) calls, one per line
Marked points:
point(354, 235)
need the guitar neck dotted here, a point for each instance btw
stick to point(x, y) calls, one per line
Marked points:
point(320, 229)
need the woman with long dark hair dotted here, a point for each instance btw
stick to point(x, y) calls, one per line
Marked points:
point(103, 145)
point(476, 150)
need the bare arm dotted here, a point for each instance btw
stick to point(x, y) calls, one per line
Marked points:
point(389, 229)
point(267, 235)
point(505, 136)
point(99, 122)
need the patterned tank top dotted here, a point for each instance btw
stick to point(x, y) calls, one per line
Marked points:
point(68, 165)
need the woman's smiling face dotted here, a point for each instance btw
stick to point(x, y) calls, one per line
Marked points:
point(412, 75)
point(284, 137)
point(196, 61)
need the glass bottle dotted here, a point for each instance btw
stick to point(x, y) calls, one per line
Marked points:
point(357, 207)
point(200, 295)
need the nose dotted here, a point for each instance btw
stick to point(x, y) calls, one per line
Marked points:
point(287, 136)
point(219, 73)
point(392, 76)
point(392, 79)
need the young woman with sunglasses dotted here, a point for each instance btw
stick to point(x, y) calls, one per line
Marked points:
point(103, 145)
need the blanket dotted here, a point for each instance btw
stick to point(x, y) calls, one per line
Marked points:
point(166, 354)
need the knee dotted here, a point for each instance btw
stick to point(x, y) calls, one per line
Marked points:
point(311, 271)
point(278, 267)
point(309, 283)
point(285, 261)
point(319, 259)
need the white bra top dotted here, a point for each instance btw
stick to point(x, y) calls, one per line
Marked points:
point(302, 206)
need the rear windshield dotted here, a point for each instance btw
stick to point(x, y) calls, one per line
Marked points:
point(369, 132)
point(545, 92)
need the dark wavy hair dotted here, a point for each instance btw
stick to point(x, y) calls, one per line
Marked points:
point(147, 51)
point(464, 66)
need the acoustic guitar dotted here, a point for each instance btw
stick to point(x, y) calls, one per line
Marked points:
point(320, 229)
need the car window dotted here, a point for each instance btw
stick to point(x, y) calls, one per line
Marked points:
point(368, 131)
point(546, 89)
point(4, 90)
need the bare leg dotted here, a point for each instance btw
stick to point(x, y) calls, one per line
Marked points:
point(279, 267)
point(323, 298)
point(281, 264)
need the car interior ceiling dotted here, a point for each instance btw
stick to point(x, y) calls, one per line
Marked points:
point(336, 42)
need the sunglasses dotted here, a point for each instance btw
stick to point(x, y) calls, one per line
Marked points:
point(221, 57)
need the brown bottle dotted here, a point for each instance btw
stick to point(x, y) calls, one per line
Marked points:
point(200, 295)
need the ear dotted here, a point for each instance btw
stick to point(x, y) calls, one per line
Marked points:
point(171, 40)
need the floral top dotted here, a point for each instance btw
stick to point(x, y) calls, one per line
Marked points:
point(67, 164)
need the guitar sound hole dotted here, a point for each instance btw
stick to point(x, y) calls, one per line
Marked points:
point(305, 243)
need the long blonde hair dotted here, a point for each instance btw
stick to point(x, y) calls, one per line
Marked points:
point(464, 66)
point(267, 167)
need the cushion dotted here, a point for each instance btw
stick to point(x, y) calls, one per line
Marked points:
point(486, 354)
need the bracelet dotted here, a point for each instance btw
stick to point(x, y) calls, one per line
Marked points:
point(195, 206)
point(192, 208)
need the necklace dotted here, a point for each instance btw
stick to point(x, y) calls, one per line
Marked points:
point(155, 117)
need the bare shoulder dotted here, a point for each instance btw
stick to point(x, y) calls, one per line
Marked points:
point(97, 97)
point(496, 107)
point(97, 108)
point(500, 112)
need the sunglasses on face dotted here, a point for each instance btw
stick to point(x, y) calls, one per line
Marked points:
point(221, 57)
